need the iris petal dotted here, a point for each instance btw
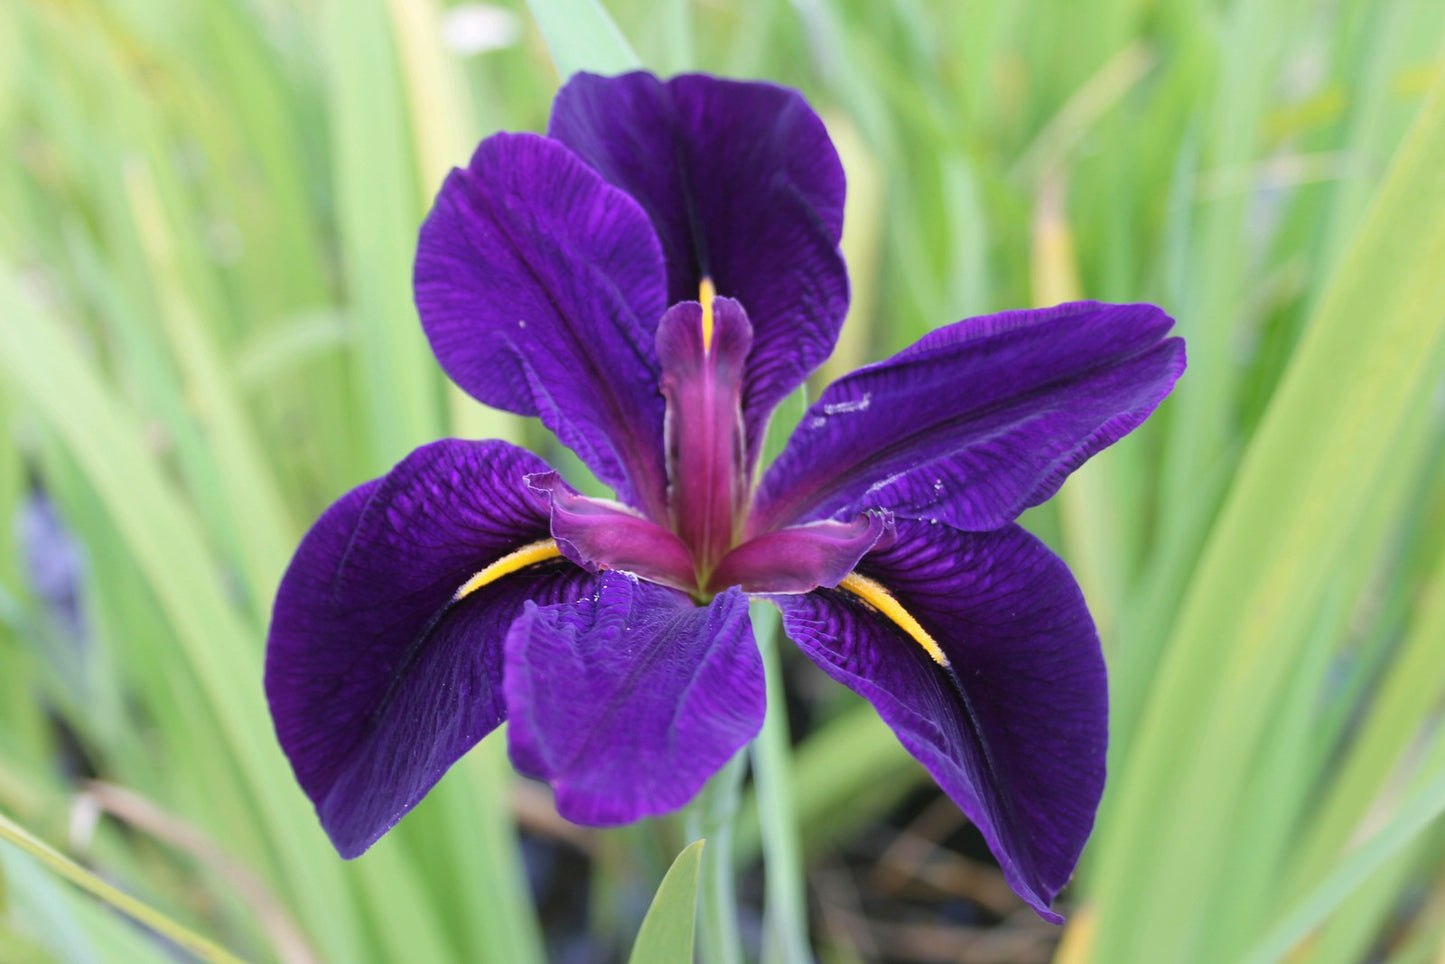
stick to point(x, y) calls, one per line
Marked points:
point(540, 288)
point(628, 701)
point(743, 187)
point(1015, 729)
point(977, 421)
point(377, 681)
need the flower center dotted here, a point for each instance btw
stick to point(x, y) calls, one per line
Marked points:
point(703, 348)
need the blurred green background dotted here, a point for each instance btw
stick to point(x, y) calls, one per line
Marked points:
point(208, 211)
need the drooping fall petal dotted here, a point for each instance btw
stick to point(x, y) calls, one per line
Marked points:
point(627, 701)
point(377, 680)
point(1014, 729)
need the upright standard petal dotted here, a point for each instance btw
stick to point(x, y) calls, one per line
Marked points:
point(540, 287)
point(744, 188)
point(378, 678)
point(1014, 727)
point(628, 701)
point(977, 421)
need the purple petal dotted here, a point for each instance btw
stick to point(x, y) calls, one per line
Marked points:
point(597, 534)
point(979, 420)
point(1015, 732)
point(743, 186)
point(377, 681)
point(540, 287)
point(801, 558)
point(627, 702)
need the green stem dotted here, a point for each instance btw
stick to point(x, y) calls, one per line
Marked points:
point(711, 817)
point(121, 901)
point(786, 912)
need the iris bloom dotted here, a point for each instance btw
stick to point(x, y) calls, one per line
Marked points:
point(651, 279)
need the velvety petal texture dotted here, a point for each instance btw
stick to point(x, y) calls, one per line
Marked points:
point(627, 701)
point(977, 421)
point(1016, 731)
point(377, 680)
point(540, 287)
point(744, 187)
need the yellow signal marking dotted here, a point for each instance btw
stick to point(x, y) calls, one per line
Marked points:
point(705, 294)
point(882, 600)
point(530, 554)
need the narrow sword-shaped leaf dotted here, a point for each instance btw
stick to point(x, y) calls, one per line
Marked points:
point(1312, 464)
point(376, 199)
point(217, 644)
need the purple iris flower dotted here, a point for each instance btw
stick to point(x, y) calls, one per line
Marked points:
point(651, 279)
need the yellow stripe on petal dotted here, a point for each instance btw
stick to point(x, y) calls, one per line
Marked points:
point(705, 294)
point(882, 600)
point(530, 554)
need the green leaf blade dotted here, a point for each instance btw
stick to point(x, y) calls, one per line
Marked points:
point(667, 930)
point(582, 36)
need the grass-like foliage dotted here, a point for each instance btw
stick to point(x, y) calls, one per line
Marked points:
point(208, 212)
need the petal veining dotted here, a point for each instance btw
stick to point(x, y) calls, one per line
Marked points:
point(977, 421)
point(379, 677)
point(1014, 726)
point(744, 187)
point(877, 596)
point(540, 287)
point(627, 701)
